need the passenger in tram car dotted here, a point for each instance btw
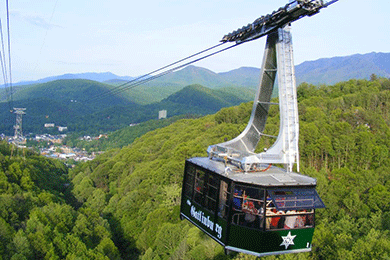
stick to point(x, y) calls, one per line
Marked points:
point(276, 220)
point(250, 212)
point(301, 219)
point(309, 220)
point(271, 222)
point(237, 200)
point(248, 207)
point(250, 219)
point(290, 220)
point(260, 212)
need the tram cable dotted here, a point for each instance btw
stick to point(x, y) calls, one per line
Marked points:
point(9, 56)
point(44, 38)
point(150, 73)
point(2, 59)
point(143, 79)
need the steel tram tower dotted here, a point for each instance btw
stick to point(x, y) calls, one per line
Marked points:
point(18, 136)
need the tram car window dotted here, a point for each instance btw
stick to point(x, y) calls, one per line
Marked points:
point(189, 181)
point(199, 187)
point(248, 206)
point(224, 195)
point(211, 194)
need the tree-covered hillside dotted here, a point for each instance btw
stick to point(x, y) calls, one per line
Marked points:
point(121, 137)
point(126, 202)
point(72, 103)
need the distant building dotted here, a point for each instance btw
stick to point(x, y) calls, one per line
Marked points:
point(162, 114)
point(62, 128)
point(48, 125)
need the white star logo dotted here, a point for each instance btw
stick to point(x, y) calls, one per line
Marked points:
point(288, 240)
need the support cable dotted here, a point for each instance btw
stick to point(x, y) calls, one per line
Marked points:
point(143, 78)
point(4, 70)
point(135, 83)
point(47, 30)
point(9, 56)
point(2, 59)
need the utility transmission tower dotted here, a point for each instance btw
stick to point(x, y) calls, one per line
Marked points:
point(18, 136)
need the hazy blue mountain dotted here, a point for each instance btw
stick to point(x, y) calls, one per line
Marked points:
point(245, 77)
point(332, 70)
point(322, 71)
point(100, 77)
point(195, 75)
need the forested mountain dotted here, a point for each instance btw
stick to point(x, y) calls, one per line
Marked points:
point(336, 69)
point(100, 77)
point(71, 103)
point(195, 75)
point(62, 102)
point(191, 100)
point(68, 102)
point(125, 203)
point(245, 76)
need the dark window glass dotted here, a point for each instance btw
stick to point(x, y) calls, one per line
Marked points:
point(212, 192)
point(199, 188)
point(224, 194)
point(189, 181)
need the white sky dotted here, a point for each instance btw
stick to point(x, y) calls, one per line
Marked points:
point(132, 38)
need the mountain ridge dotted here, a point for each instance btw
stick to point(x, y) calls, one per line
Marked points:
point(320, 71)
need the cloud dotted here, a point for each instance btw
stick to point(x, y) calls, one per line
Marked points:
point(33, 19)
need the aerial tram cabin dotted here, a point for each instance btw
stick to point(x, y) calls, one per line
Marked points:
point(254, 202)
point(259, 213)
